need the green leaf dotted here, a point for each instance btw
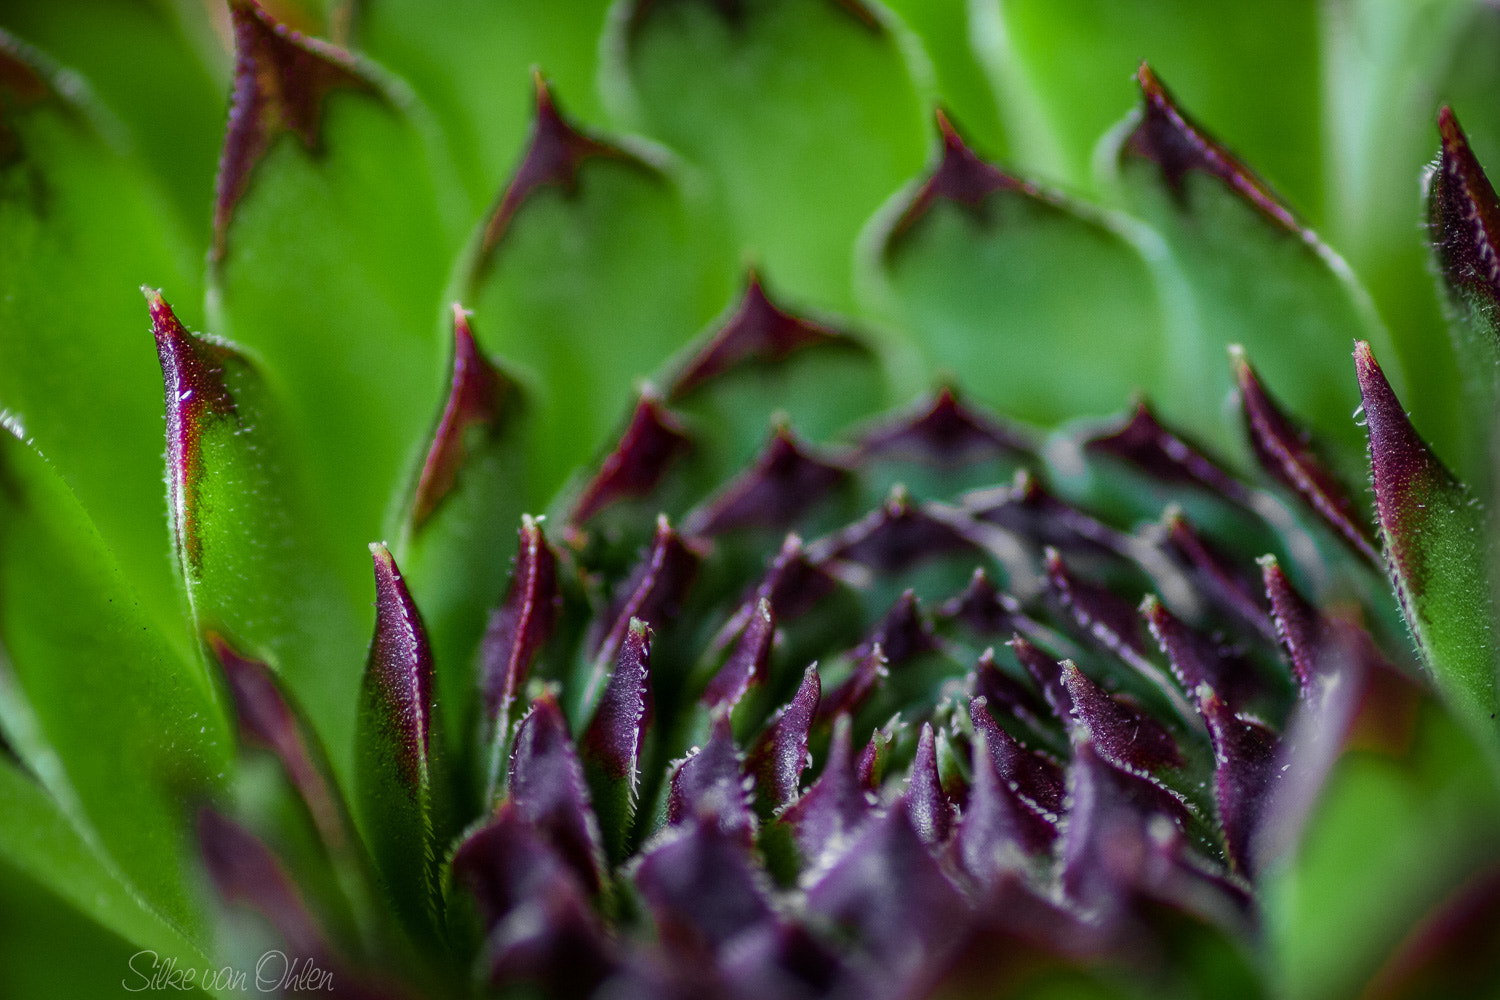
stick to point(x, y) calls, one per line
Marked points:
point(1434, 538)
point(40, 840)
point(802, 114)
point(472, 60)
point(82, 227)
point(1248, 271)
point(591, 270)
point(1389, 837)
point(119, 727)
point(962, 89)
point(1060, 69)
point(1003, 288)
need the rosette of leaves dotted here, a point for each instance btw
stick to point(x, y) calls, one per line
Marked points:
point(954, 611)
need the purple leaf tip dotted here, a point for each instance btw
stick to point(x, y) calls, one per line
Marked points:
point(613, 739)
point(547, 787)
point(747, 662)
point(780, 755)
point(1464, 220)
point(652, 440)
point(398, 677)
point(523, 623)
point(786, 480)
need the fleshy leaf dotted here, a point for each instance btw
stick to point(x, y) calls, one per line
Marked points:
point(927, 805)
point(780, 755)
point(999, 688)
point(786, 480)
point(894, 537)
point(747, 662)
point(701, 889)
point(1143, 441)
point(516, 632)
point(902, 634)
point(506, 865)
point(1217, 576)
point(709, 787)
point(1197, 659)
point(1036, 780)
point(1245, 760)
point(1119, 732)
point(1285, 452)
point(652, 592)
point(826, 817)
point(998, 832)
point(1463, 220)
point(1253, 274)
point(976, 262)
point(547, 788)
point(853, 691)
point(1432, 534)
point(1047, 673)
point(653, 438)
point(119, 784)
point(396, 773)
point(611, 745)
point(854, 140)
point(943, 431)
point(246, 873)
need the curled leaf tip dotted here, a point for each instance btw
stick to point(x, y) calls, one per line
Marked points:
point(1463, 216)
point(758, 331)
point(1285, 452)
point(474, 400)
point(398, 678)
point(281, 78)
point(553, 157)
point(1177, 145)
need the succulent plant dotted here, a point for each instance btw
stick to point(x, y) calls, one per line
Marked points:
point(972, 600)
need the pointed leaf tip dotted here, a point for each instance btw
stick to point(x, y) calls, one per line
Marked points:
point(758, 331)
point(652, 441)
point(786, 481)
point(614, 736)
point(1463, 217)
point(1433, 535)
point(1166, 136)
point(961, 177)
point(747, 663)
point(474, 400)
point(522, 624)
point(834, 807)
point(927, 805)
point(195, 393)
point(780, 755)
point(547, 787)
point(398, 678)
point(1285, 452)
point(280, 80)
point(710, 787)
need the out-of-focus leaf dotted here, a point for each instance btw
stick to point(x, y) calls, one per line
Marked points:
point(471, 61)
point(1434, 540)
point(590, 270)
point(331, 253)
point(980, 270)
point(1248, 271)
point(713, 82)
point(946, 35)
point(37, 838)
point(80, 649)
point(1389, 837)
point(77, 370)
point(1060, 67)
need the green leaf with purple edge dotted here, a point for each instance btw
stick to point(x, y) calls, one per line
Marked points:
point(252, 568)
point(972, 263)
point(77, 212)
point(855, 138)
point(398, 777)
point(1243, 268)
point(119, 784)
point(591, 267)
point(1434, 536)
point(331, 248)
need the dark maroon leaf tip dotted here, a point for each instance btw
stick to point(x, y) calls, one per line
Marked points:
point(1005, 692)
point(1028, 509)
point(22, 84)
point(398, 677)
point(1120, 732)
point(1198, 659)
point(997, 831)
point(473, 401)
point(1216, 576)
point(927, 805)
point(945, 432)
point(245, 872)
point(548, 789)
point(1143, 441)
point(556, 151)
point(1246, 753)
point(1046, 673)
point(266, 719)
point(652, 440)
point(903, 633)
point(780, 755)
point(759, 331)
point(1167, 137)
point(1464, 219)
point(786, 480)
point(1300, 626)
point(1037, 779)
point(1109, 618)
point(982, 607)
point(834, 807)
point(1405, 472)
point(895, 537)
point(1285, 452)
point(961, 177)
point(794, 584)
point(280, 80)
point(522, 624)
point(652, 591)
point(747, 662)
point(613, 739)
point(192, 371)
point(845, 699)
point(710, 786)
